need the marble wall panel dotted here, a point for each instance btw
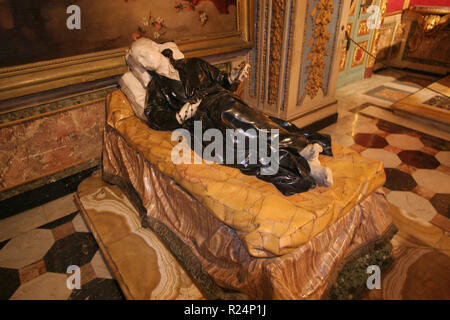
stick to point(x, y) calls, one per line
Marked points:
point(40, 145)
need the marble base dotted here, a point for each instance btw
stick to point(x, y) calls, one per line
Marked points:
point(138, 260)
point(319, 118)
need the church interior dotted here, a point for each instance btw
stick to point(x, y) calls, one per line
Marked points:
point(93, 205)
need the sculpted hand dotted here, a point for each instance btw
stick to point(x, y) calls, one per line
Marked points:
point(244, 73)
point(322, 175)
point(239, 75)
point(187, 111)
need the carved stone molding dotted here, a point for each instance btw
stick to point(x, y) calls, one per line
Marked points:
point(276, 37)
point(321, 16)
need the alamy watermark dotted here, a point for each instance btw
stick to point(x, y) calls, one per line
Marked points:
point(374, 280)
point(374, 21)
point(259, 151)
point(73, 281)
point(74, 20)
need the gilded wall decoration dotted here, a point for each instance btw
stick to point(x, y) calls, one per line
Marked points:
point(366, 4)
point(285, 37)
point(375, 37)
point(321, 16)
point(264, 54)
point(348, 28)
point(359, 54)
point(429, 38)
point(352, 8)
point(363, 28)
point(334, 21)
point(254, 53)
point(289, 52)
point(276, 36)
point(343, 59)
point(385, 41)
point(315, 11)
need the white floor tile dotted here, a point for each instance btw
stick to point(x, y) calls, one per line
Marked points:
point(436, 181)
point(22, 222)
point(49, 286)
point(60, 207)
point(413, 204)
point(26, 248)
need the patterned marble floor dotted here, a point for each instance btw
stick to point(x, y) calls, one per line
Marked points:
point(37, 245)
point(34, 261)
point(416, 156)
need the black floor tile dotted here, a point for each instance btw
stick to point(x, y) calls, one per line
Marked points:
point(44, 194)
point(419, 159)
point(9, 282)
point(98, 289)
point(441, 202)
point(3, 243)
point(397, 180)
point(75, 249)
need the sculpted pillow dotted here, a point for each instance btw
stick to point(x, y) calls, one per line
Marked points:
point(135, 93)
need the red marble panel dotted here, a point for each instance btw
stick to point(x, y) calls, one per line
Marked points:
point(394, 6)
point(418, 159)
point(370, 140)
point(437, 3)
point(441, 202)
point(399, 180)
point(37, 147)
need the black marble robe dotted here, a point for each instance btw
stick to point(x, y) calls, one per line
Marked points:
point(221, 109)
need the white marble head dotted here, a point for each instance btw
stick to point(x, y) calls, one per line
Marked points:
point(146, 52)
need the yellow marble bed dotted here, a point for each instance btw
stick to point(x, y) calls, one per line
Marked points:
point(269, 223)
point(238, 236)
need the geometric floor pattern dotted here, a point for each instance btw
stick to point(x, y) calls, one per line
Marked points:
point(417, 165)
point(33, 265)
point(416, 154)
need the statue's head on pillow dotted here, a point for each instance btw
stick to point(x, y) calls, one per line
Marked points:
point(147, 52)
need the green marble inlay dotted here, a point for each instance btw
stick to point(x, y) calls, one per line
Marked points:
point(55, 105)
point(351, 282)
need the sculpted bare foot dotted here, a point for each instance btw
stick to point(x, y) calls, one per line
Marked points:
point(322, 175)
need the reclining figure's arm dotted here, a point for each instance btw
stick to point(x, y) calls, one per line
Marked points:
point(158, 112)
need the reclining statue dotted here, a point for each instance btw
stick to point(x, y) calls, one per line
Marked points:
point(185, 90)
